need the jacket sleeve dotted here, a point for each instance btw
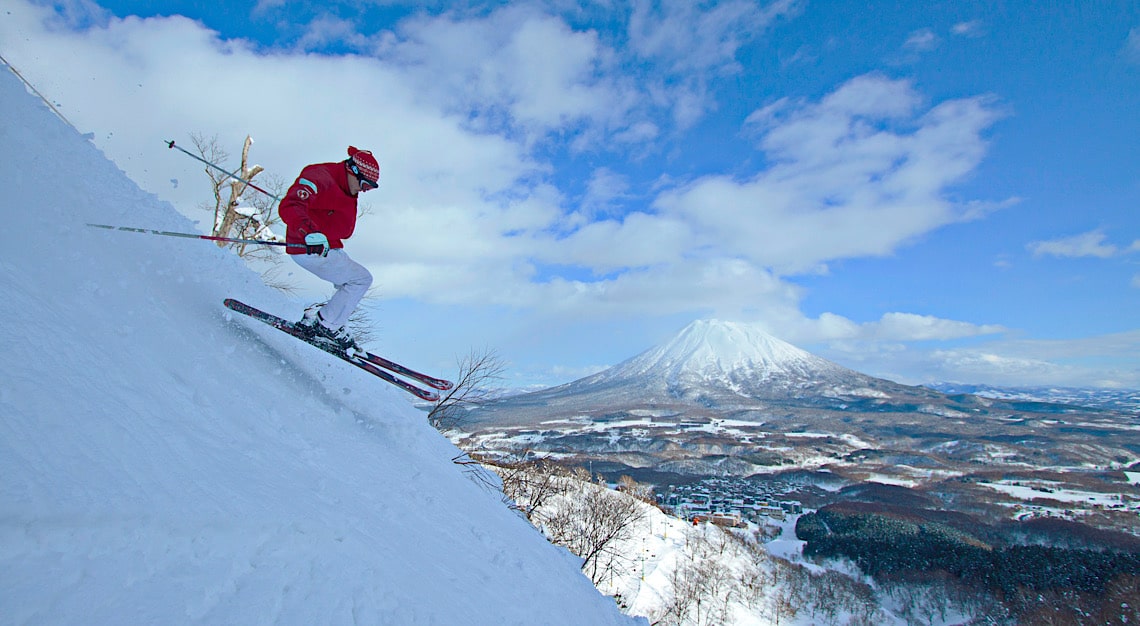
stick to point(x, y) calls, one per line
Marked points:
point(294, 208)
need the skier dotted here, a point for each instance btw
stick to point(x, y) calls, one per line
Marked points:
point(320, 211)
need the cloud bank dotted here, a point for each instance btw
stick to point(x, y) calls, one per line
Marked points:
point(530, 160)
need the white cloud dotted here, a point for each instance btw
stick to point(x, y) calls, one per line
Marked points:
point(725, 288)
point(911, 327)
point(1094, 361)
point(832, 327)
point(972, 28)
point(763, 119)
point(1100, 361)
point(468, 214)
point(515, 70)
point(328, 31)
point(860, 173)
point(689, 38)
point(686, 42)
point(1131, 49)
point(974, 365)
point(604, 188)
point(1083, 245)
point(890, 329)
point(921, 40)
point(639, 240)
point(266, 5)
point(414, 107)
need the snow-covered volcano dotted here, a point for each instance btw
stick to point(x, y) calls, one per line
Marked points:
point(710, 364)
point(713, 359)
point(713, 351)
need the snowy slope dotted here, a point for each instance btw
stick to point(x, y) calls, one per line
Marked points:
point(162, 462)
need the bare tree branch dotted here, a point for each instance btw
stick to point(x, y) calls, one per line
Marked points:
point(479, 375)
point(244, 215)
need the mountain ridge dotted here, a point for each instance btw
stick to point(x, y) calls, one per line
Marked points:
point(714, 347)
point(716, 364)
point(721, 400)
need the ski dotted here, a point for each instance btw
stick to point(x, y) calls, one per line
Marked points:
point(375, 365)
point(430, 381)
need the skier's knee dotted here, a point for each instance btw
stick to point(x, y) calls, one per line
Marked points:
point(365, 278)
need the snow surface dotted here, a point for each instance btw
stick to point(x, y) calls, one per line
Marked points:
point(1051, 491)
point(163, 461)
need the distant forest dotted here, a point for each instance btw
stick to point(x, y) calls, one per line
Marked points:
point(1054, 572)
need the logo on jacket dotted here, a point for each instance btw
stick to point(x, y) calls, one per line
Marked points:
point(306, 184)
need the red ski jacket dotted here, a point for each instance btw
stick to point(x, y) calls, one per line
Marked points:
point(319, 202)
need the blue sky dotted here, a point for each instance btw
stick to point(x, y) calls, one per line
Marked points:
point(943, 191)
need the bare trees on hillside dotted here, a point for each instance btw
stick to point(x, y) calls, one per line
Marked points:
point(576, 511)
point(593, 522)
point(479, 375)
point(715, 577)
point(703, 585)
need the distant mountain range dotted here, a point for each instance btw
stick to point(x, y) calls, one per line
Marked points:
point(713, 363)
point(1092, 397)
point(722, 398)
point(717, 366)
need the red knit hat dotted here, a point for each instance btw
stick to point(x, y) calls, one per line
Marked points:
point(367, 164)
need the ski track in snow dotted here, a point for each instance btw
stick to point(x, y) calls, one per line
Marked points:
point(162, 461)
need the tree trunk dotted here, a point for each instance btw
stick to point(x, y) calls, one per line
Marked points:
point(237, 188)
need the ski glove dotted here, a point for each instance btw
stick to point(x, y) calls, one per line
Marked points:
point(317, 243)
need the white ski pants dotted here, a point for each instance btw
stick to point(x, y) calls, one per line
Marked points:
point(350, 278)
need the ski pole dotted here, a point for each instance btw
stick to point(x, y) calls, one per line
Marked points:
point(171, 144)
point(194, 236)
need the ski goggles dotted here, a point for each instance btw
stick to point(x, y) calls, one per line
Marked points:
point(365, 182)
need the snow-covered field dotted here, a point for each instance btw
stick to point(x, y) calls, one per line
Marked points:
point(1037, 498)
point(162, 462)
point(1047, 492)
